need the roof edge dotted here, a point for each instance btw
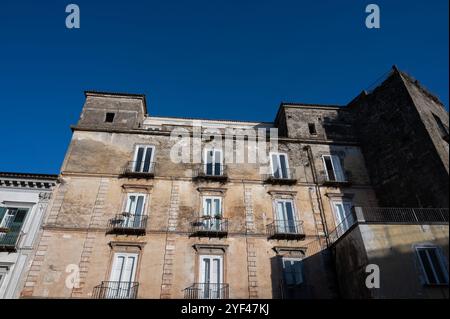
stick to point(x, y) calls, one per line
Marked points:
point(413, 81)
point(119, 94)
point(297, 104)
point(208, 119)
point(29, 175)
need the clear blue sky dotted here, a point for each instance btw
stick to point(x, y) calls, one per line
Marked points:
point(216, 59)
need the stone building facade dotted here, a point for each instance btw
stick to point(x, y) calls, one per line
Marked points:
point(130, 221)
point(23, 203)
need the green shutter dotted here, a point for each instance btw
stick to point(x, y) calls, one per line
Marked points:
point(2, 213)
point(17, 223)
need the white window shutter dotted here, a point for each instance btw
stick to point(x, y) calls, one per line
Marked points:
point(118, 264)
point(139, 205)
point(338, 171)
point(130, 267)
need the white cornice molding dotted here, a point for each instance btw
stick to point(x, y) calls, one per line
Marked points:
point(16, 183)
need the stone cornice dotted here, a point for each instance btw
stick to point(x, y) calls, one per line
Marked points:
point(291, 251)
point(148, 188)
point(167, 133)
point(138, 244)
point(212, 189)
point(210, 248)
point(273, 192)
point(43, 184)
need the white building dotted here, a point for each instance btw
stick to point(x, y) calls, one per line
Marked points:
point(23, 201)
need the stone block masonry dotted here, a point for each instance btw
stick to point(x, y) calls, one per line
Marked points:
point(169, 251)
point(90, 240)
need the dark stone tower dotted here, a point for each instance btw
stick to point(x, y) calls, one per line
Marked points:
point(403, 131)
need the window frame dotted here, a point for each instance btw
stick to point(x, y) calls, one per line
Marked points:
point(207, 290)
point(107, 118)
point(312, 129)
point(205, 161)
point(212, 197)
point(115, 257)
point(201, 272)
point(127, 199)
point(136, 150)
point(285, 200)
point(343, 202)
point(278, 154)
point(342, 171)
point(22, 224)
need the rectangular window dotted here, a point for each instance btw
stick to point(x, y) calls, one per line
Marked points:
point(143, 159)
point(343, 213)
point(433, 266)
point(211, 277)
point(11, 222)
point(285, 217)
point(134, 210)
point(212, 206)
point(333, 168)
point(279, 165)
point(213, 162)
point(312, 128)
point(109, 118)
point(212, 213)
point(292, 271)
point(122, 275)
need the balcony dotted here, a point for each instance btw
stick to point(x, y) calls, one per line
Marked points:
point(211, 172)
point(390, 216)
point(9, 238)
point(207, 291)
point(127, 224)
point(288, 230)
point(209, 227)
point(284, 177)
point(330, 179)
point(139, 170)
point(116, 290)
point(347, 224)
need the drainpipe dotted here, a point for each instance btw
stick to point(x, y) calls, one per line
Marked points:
point(308, 150)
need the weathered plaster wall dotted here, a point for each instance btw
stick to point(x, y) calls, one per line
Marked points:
point(392, 248)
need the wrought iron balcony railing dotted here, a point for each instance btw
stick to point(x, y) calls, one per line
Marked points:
point(126, 223)
point(207, 226)
point(331, 179)
point(389, 216)
point(207, 291)
point(343, 227)
point(9, 238)
point(286, 229)
point(116, 290)
point(286, 176)
point(139, 169)
point(213, 171)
